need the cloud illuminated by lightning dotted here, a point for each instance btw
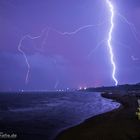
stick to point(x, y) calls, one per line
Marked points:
point(111, 8)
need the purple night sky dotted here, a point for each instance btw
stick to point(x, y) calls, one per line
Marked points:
point(66, 60)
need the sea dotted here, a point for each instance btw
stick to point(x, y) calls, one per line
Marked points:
point(45, 114)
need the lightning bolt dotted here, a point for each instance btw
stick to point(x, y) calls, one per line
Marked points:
point(56, 84)
point(24, 54)
point(97, 46)
point(79, 29)
point(111, 8)
point(48, 29)
point(129, 49)
point(133, 31)
point(109, 40)
point(131, 26)
point(25, 57)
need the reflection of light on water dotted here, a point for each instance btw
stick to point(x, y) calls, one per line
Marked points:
point(62, 110)
point(84, 105)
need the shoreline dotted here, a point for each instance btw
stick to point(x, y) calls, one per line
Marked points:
point(29, 122)
point(81, 122)
point(118, 124)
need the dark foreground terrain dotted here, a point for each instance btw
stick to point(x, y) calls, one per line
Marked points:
point(120, 124)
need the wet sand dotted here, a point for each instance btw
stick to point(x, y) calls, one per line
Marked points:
point(119, 124)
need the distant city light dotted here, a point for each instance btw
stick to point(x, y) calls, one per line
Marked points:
point(85, 88)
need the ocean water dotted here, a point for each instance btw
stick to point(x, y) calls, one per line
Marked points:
point(49, 113)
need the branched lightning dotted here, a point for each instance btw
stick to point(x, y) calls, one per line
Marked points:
point(129, 48)
point(111, 8)
point(45, 39)
point(24, 54)
point(97, 46)
point(79, 29)
point(133, 31)
point(108, 40)
point(47, 30)
point(25, 57)
point(131, 26)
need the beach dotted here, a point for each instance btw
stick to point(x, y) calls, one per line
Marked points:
point(42, 116)
point(119, 124)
